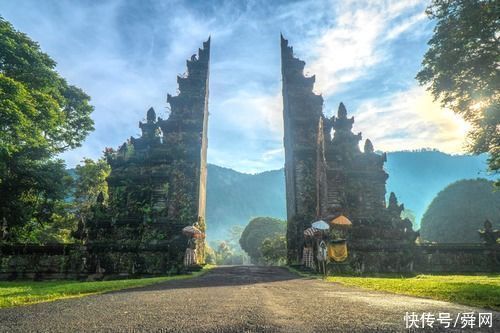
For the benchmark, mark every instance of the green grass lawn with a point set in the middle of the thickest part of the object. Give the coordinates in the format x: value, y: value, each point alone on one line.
x: 14, y: 293
x: 481, y: 290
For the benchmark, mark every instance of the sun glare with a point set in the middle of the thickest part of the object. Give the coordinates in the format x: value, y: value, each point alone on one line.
x: 478, y: 106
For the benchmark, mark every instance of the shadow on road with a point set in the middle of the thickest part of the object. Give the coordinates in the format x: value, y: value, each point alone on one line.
x: 225, y: 276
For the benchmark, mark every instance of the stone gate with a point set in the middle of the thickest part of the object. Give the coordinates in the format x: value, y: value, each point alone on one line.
x: 327, y: 175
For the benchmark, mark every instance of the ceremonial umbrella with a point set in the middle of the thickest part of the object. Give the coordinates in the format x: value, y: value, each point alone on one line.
x: 341, y: 222
x: 321, y: 225
x: 310, y: 232
x: 191, y: 230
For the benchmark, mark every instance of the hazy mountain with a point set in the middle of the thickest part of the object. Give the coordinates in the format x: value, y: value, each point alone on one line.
x: 415, y: 177
x: 234, y: 198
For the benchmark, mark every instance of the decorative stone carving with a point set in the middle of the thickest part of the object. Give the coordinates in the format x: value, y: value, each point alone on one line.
x: 157, y: 183
x: 488, y: 235
x: 325, y: 174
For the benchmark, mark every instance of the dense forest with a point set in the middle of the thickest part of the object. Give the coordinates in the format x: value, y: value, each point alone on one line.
x: 41, y: 116
x: 459, y: 211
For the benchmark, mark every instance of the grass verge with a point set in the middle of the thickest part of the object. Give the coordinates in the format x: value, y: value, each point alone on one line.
x: 475, y: 290
x: 15, y: 293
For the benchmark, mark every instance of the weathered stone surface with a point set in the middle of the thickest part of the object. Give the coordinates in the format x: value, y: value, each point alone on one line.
x: 302, y: 110
x: 414, y: 259
x: 42, y: 262
x: 329, y: 175
x: 157, y: 185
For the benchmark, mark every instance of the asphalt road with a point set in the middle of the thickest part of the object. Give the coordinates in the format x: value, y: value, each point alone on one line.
x: 234, y: 299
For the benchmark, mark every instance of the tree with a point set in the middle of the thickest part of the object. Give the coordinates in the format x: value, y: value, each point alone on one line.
x: 234, y: 237
x: 273, y: 250
x: 461, y: 68
x: 90, y: 182
x: 37, y: 103
x: 210, y: 255
x: 61, y: 223
x: 226, y: 254
x: 460, y: 210
x: 40, y: 116
x: 257, y: 230
x: 32, y: 193
x: 223, y: 253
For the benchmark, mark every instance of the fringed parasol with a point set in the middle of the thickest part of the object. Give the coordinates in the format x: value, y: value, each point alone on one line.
x: 320, y: 225
x: 310, y: 232
x: 341, y: 222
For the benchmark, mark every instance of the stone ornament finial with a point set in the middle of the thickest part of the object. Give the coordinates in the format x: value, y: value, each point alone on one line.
x: 342, y: 111
x: 368, y: 146
x: 487, y: 225
x: 151, y: 115
x: 393, y: 201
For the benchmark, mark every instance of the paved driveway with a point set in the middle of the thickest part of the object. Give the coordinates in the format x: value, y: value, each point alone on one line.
x: 234, y: 299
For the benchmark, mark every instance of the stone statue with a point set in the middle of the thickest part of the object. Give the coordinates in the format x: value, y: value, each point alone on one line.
x: 489, y: 235
x: 150, y: 129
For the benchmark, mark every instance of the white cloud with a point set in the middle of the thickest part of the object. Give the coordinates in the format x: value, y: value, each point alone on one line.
x: 244, y: 161
x: 124, y: 72
x: 357, y: 41
x: 273, y: 153
x: 253, y: 111
x: 246, y: 131
x: 405, y: 25
x: 126, y: 55
x: 410, y: 120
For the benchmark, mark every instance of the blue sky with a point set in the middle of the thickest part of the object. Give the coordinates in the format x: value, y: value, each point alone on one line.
x: 126, y: 55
